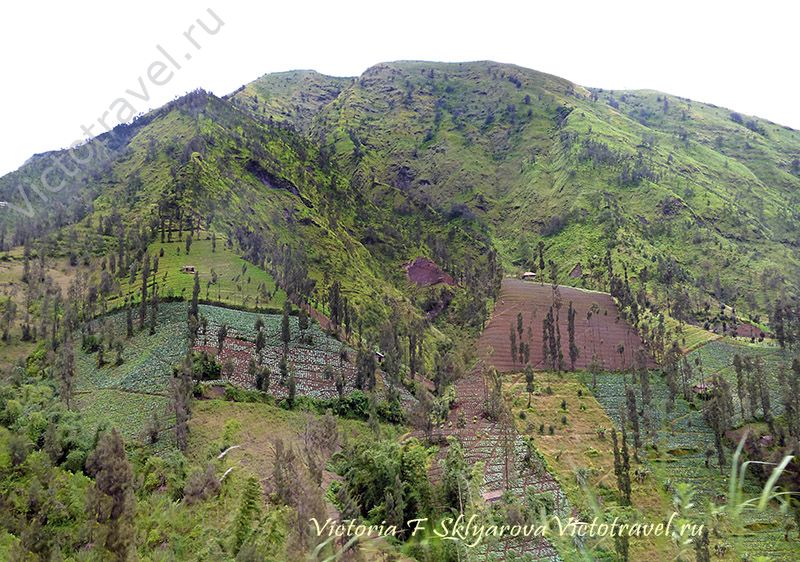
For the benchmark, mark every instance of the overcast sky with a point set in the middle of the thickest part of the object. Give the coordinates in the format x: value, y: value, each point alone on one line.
x: 65, y: 63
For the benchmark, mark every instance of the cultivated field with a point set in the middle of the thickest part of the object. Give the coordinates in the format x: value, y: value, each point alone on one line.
x: 682, y: 438
x: 600, y: 333
x: 125, y: 395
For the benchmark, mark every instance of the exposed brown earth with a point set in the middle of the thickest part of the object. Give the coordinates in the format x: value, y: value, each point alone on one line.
x: 424, y: 272
x: 598, y: 334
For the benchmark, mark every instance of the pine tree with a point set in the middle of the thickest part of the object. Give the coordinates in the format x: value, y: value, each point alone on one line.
x: 129, y: 318
x: 621, y: 465
x: 302, y: 319
x: 194, y: 307
x: 573, y: 348
x: 763, y: 390
x: 633, y: 416
x: 180, y: 397
x: 222, y: 335
x: 292, y: 390
x: 286, y: 332
x: 153, y: 310
x: 66, y: 370
x: 513, y: 338
x: 741, y: 390
x: 529, y: 388
x: 261, y: 342
x: 111, y: 497
x: 145, y: 280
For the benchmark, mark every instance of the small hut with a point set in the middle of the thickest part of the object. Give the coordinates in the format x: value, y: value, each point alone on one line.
x: 189, y: 269
x: 529, y: 276
x: 704, y: 390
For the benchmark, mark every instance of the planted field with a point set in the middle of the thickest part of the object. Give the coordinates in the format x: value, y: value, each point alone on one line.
x: 580, y: 451
x: 600, y: 333
x: 307, y: 358
x: 682, y: 438
x: 125, y: 395
x: 717, y: 357
x: 509, y: 465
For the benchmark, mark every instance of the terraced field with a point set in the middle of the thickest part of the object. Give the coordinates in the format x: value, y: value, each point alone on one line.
x: 307, y: 359
x: 125, y: 395
x: 717, y: 357
x: 682, y: 438
x: 518, y: 473
x: 600, y: 333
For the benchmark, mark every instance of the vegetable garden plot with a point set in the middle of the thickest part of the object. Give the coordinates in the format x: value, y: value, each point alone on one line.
x: 147, y: 359
x: 682, y: 438
x: 520, y: 472
x: 307, y: 358
x: 717, y: 357
x: 598, y: 328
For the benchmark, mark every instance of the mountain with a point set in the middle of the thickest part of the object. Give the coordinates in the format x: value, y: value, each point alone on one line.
x: 350, y: 171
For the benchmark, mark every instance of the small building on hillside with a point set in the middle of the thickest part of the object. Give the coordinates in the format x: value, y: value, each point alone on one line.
x: 577, y: 271
x: 189, y: 269
x: 529, y: 276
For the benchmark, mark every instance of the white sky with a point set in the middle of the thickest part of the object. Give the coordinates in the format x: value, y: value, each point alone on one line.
x: 64, y: 63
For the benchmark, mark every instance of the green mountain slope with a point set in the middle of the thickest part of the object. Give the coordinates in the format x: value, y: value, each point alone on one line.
x: 526, y: 157
x: 349, y: 172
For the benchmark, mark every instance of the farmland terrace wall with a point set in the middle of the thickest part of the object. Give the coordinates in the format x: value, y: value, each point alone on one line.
x: 600, y: 335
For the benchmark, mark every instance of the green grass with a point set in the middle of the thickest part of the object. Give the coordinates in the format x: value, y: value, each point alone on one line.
x: 578, y: 446
x: 238, y: 282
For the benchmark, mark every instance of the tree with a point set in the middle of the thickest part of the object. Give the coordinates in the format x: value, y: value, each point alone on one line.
x: 529, y: 388
x: 193, y: 308
x: 790, y: 386
x: 540, y: 247
x: 66, y: 370
x: 222, y: 335
x: 180, y: 398
x: 455, y: 477
x: 111, y: 497
x: 741, y: 390
x: 671, y: 366
x: 292, y: 389
x: 145, y: 280
x: 622, y: 465
x: 302, y: 319
x: 513, y: 338
x: 717, y: 413
x: 422, y: 412
x: 763, y: 390
x: 248, y: 512
x: 153, y: 310
x: 633, y: 416
x: 573, y: 348
x: 594, y: 369
x: 129, y: 318
x: 340, y: 384
x: 286, y: 332
x: 644, y: 378
x: 188, y: 243
x: 261, y: 342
